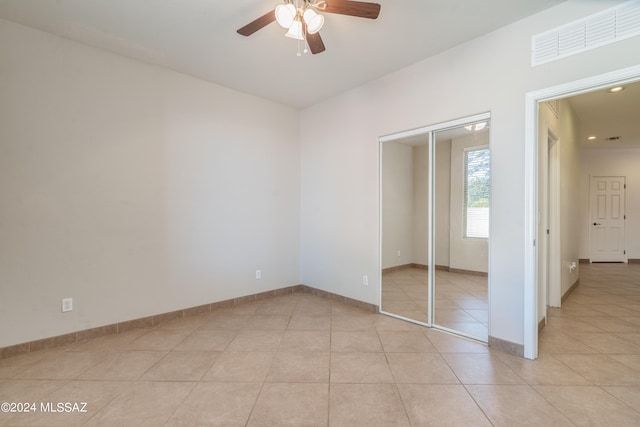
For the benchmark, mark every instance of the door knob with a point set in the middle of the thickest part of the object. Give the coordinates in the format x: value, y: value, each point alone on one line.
x: 596, y: 223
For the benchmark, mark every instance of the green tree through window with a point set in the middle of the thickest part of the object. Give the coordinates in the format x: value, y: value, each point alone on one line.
x: 477, y: 185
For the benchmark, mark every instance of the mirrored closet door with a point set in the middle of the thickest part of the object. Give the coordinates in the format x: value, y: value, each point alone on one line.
x: 434, y: 215
x: 405, y: 223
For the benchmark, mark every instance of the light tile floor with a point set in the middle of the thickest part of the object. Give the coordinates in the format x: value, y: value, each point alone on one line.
x: 301, y: 360
x: 460, y: 299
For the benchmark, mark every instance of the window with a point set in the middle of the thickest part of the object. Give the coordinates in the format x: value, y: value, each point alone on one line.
x: 476, y: 192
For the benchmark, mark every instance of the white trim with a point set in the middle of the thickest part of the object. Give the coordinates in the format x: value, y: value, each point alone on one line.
x: 531, y: 226
x: 431, y: 256
x: 406, y: 319
x: 435, y: 127
x: 554, y: 221
x: 379, y: 272
x: 625, y: 75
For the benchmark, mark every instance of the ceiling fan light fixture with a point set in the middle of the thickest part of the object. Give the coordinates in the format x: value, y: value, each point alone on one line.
x: 303, y: 19
x: 314, y: 21
x: 295, y: 31
x: 476, y: 127
x: 285, y: 15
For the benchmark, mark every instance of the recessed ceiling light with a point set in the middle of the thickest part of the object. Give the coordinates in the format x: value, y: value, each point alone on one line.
x: 591, y: 138
x: 616, y: 89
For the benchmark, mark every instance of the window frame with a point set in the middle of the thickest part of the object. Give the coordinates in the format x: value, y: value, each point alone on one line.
x: 465, y: 193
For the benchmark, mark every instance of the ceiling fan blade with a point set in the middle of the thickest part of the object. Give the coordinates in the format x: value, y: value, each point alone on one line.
x: 353, y: 8
x: 259, y: 23
x: 315, y: 43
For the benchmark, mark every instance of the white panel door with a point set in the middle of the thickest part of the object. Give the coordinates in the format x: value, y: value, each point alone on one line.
x: 607, y: 219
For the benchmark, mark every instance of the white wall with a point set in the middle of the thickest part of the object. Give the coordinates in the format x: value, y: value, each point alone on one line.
x: 340, y: 153
x: 133, y: 189
x: 420, y: 249
x: 397, y: 204
x: 405, y: 180
x: 569, y: 195
x: 613, y: 162
x: 442, y: 202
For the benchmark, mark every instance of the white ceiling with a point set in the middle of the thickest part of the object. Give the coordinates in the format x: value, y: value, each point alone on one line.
x: 198, y: 37
x: 604, y: 114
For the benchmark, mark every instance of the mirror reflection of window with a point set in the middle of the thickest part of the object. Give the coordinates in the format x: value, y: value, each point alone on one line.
x: 477, y: 187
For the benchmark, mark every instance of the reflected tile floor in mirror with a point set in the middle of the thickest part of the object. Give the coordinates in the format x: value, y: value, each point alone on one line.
x: 460, y: 303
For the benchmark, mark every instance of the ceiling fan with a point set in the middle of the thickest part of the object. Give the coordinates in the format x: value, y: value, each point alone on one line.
x: 303, y: 21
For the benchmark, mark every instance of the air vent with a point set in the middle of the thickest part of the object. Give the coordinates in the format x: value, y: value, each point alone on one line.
x: 612, y: 25
x: 612, y: 138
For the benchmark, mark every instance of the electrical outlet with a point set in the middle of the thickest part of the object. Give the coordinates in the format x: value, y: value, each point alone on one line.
x: 258, y: 274
x: 398, y: 252
x: 67, y: 305
x: 365, y: 280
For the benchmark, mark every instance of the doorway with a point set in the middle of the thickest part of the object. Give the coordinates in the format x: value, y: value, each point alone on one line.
x: 534, y: 282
